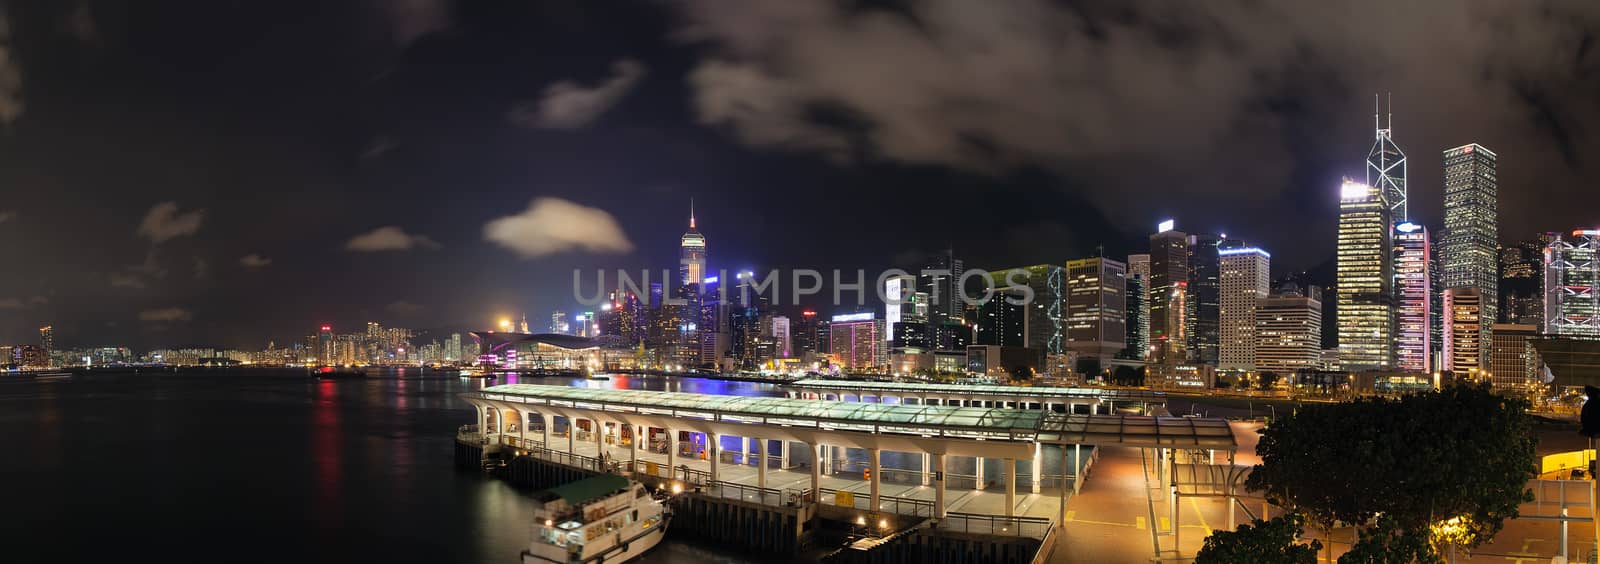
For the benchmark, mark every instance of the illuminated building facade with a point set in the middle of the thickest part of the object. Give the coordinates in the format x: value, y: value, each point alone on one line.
x: 1137, y: 307
x: 940, y: 280
x: 1096, y: 298
x: 1169, y: 281
x: 1364, y: 279
x: 1471, y: 233
x: 691, y: 253
x: 1511, y: 366
x: 1203, y: 300
x: 47, y: 342
x: 1414, y: 298
x: 1245, y: 281
x: 1464, y: 337
x: 856, y: 341
x: 326, y: 350
x: 1572, y: 285
x: 1003, y: 320
x: 1289, y: 331
x: 1521, y: 282
x: 1047, y: 316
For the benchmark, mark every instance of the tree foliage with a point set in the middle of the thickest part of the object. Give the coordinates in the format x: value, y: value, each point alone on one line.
x: 1386, y: 543
x: 1420, y: 460
x: 1261, y: 541
x: 1127, y: 376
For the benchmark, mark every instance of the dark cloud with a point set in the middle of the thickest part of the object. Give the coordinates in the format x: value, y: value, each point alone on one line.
x: 569, y: 105
x: 11, y: 104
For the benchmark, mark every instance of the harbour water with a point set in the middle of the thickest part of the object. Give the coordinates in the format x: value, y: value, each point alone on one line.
x: 260, y: 465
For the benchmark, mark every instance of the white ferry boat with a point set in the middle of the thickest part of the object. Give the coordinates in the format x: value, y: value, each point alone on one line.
x: 607, y: 518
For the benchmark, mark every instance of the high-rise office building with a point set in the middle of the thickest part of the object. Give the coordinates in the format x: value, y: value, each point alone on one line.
x: 1465, y: 341
x: 1364, y: 279
x: 1509, y: 369
x: 805, y: 333
x: 857, y: 341
x: 691, y: 253
x: 783, y: 347
x: 1289, y: 330
x: 1097, y: 324
x: 47, y: 342
x: 1471, y: 234
x: 1521, y: 283
x: 558, y: 322
x: 1048, y: 314
x: 1169, y: 285
x: 1202, y: 318
x: 1572, y: 285
x: 1386, y: 165
x: 1137, y: 307
x: 326, y: 351
x: 1002, y: 321
x: 941, y: 282
x: 898, y: 292
x: 1245, y: 282
x: 1413, y: 252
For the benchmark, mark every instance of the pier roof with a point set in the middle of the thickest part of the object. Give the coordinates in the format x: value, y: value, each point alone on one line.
x: 973, y: 423
x: 1040, y: 392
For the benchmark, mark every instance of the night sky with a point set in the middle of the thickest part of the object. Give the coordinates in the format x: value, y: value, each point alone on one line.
x: 223, y: 173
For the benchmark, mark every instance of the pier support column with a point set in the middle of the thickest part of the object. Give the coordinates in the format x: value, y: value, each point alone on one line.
x: 672, y: 452
x: 598, y: 429
x: 977, y: 471
x: 633, y: 441
x: 714, y: 452
x: 1077, y: 468
x: 1061, y: 519
x: 761, y: 463
x: 547, y: 424
x: 1038, y: 466
x: 572, y: 435
x: 938, y: 486
x: 872, y: 462
x: 925, y: 461
x: 1011, y: 486
x: 783, y: 454
x: 816, y: 471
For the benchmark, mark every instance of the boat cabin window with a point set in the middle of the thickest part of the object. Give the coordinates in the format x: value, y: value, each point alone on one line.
x: 634, y: 517
x: 639, y: 492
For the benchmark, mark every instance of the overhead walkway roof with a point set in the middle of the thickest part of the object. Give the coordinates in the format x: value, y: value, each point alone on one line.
x: 972, y: 423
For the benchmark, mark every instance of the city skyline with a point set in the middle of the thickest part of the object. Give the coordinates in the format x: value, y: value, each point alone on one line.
x: 368, y: 196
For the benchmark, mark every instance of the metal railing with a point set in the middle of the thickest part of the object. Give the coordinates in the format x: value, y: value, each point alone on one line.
x: 886, y: 503
x: 1015, y: 526
x: 570, y: 459
x: 764, y: 496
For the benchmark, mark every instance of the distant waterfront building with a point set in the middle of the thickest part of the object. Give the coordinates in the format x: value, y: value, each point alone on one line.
x: 1202, y: 316
x: 856, y: 341
x: 692, y: 253
x: 1414, y: 292
x: 805, y: 333
x: 1245, y: 282
x: 558, y: 323
x: 782, y: 344
x: 326, y: 351
x: 1364, y: 279
x: 1097, y: 324
x: 1137, y: 307
x: 1464, y: 338
x: 1002, y: 322
x: 1572, y: 285
x: 47, y: 342
x: 1471, y: 232
x: 1289, y: 331
x: 1510, y: 357
x: 1169, y: 284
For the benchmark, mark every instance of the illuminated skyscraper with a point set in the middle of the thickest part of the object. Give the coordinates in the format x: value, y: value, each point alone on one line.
x: 47, y: 341
x: 1465, y: 339
x: 325, y: 346
x: 1572, y: 285
x: 1521, y: 282
x: 1471, y: 232
x: 1203, y: 301
x: 1364, y: 279
x: 1048, y: 313
x: 1386, y: 165
x: 692, y: 253
x: 1414, y: 292
x: 1169, y: 281
x: 856, y: 341
x: 1137, y: 307
x: 1245, y: 281
x: 944, y: 306
x: 1096, y: 325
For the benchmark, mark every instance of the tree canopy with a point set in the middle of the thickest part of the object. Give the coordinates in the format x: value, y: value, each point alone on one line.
x: 1423, y: 460
x: 1261, y: 541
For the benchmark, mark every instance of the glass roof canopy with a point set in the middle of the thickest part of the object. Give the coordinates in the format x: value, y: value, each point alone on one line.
x: 966, y: 390
x: 917, y: 420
